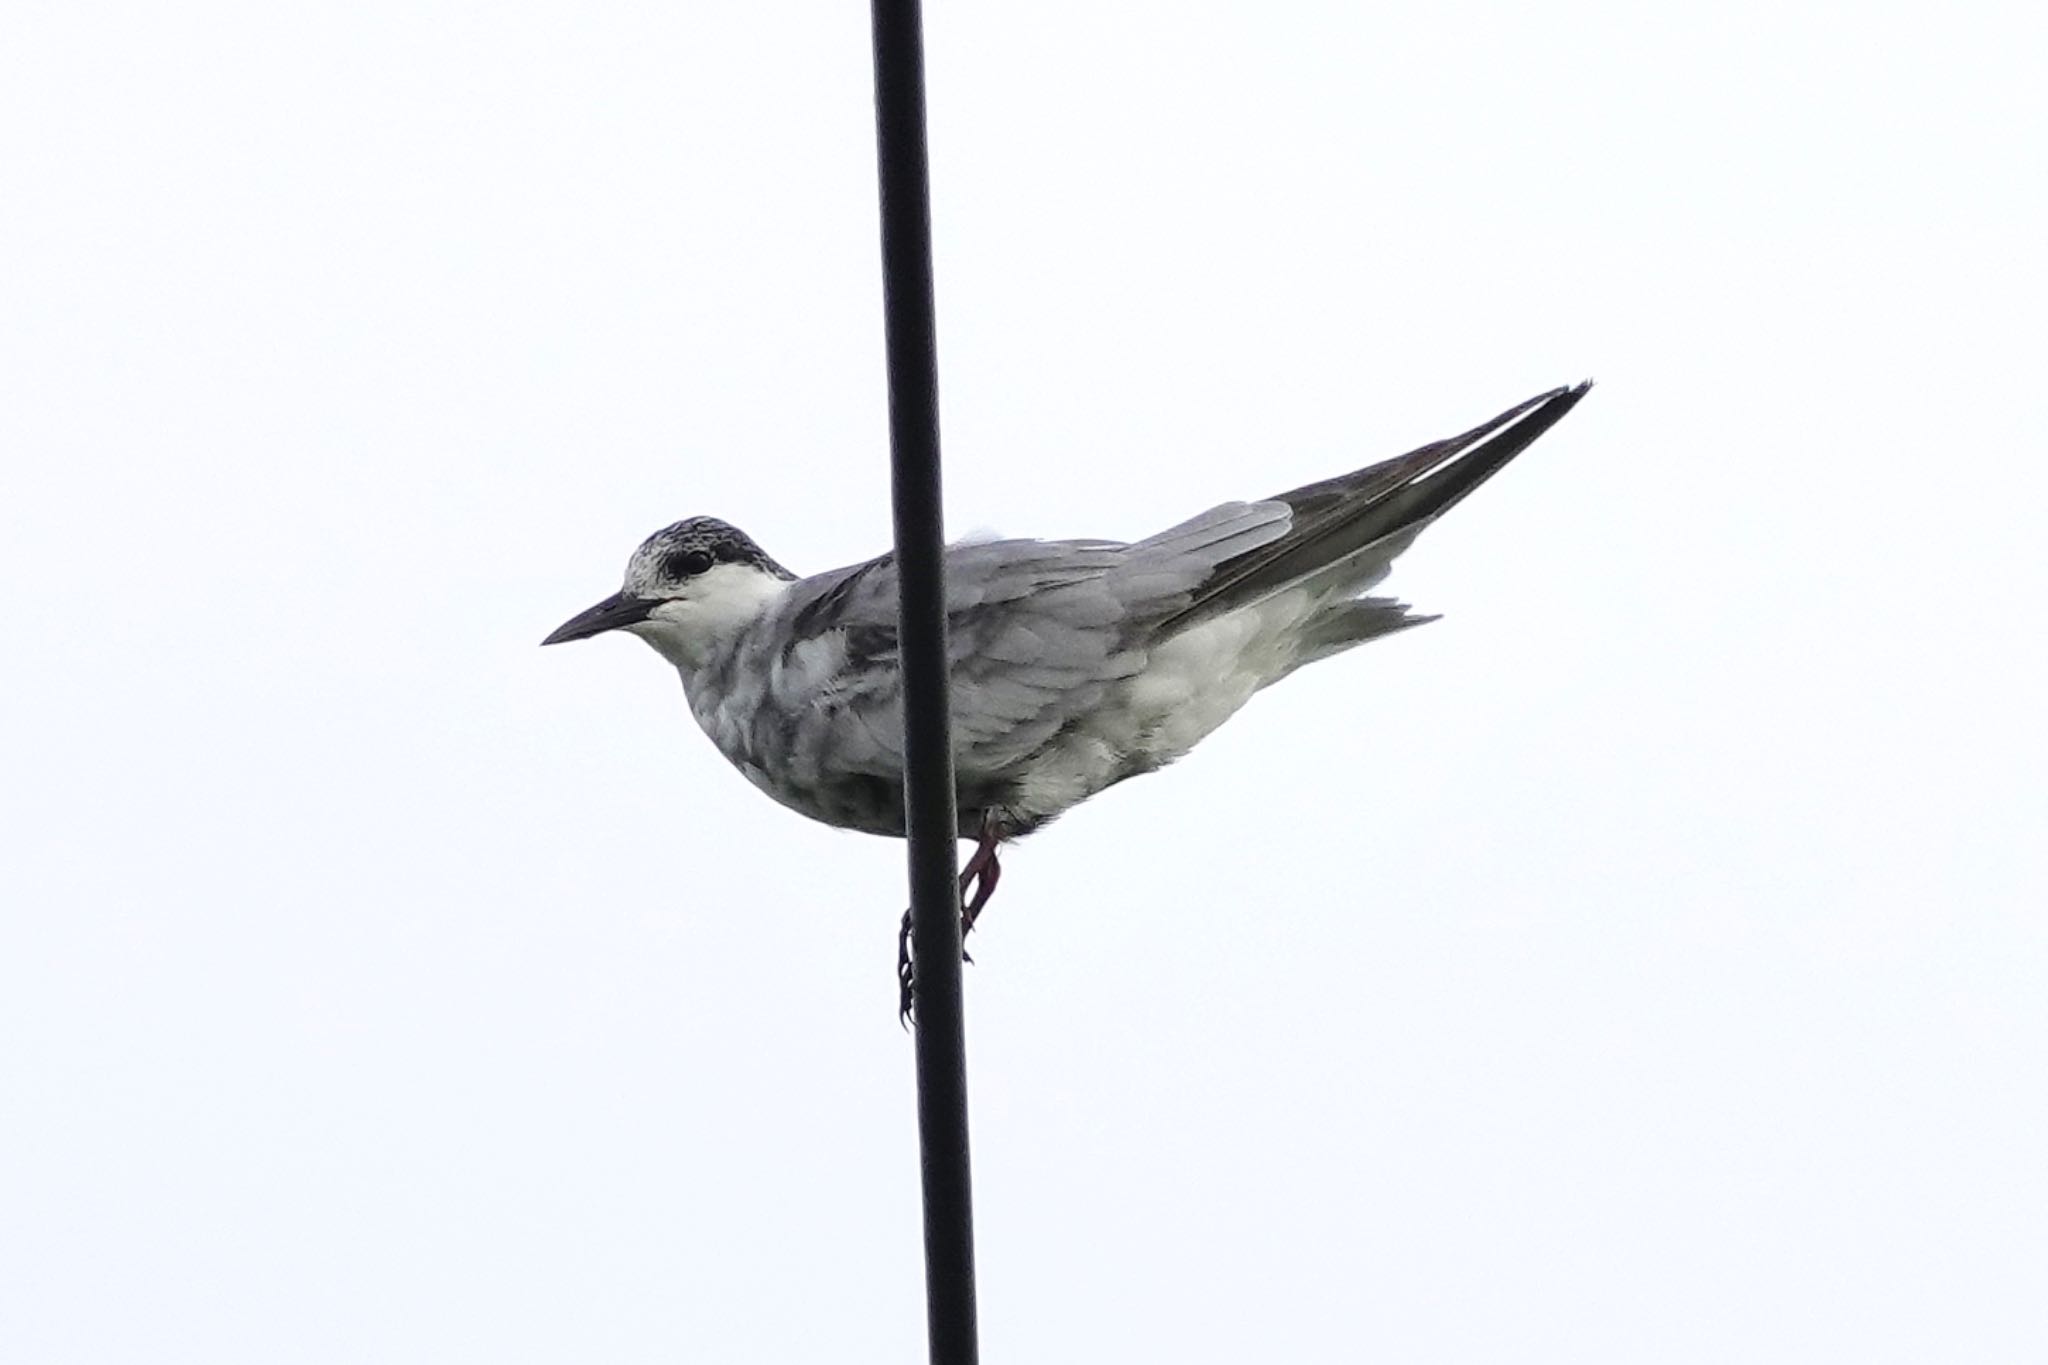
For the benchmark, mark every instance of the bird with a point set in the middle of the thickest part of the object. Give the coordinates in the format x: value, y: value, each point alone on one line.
x: 1074, y: 664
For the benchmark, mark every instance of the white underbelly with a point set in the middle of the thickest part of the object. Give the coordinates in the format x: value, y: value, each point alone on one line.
x: 1190, y: 685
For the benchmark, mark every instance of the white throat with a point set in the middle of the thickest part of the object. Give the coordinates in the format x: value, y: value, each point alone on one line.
x: 716, y: 605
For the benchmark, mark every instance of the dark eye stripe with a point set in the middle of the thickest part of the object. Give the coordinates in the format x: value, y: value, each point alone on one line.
x: 686, y: 563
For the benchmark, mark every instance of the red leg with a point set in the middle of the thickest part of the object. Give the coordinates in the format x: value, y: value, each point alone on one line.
x: 981, y: 872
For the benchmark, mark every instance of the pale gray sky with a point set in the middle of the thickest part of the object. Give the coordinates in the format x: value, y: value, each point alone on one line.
x: 1646, y: 963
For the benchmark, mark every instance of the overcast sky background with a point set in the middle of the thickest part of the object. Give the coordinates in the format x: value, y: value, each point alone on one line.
x: 1646, y: 963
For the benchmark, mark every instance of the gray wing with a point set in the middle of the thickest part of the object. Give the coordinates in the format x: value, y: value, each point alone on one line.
x: 1351, y: 527
x: 1038, y: 631
x: 1041, y: 629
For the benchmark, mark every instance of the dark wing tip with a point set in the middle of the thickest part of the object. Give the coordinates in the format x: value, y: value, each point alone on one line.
x: 1382, y: 504
x: 1555, y: 403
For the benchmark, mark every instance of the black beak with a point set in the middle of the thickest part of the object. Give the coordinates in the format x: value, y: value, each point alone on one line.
x: 615, y: 611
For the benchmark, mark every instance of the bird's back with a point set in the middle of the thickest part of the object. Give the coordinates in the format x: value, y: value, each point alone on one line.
x: 1076, y: 664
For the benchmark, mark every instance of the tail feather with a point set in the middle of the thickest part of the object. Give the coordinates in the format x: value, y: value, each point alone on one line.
x: 1342, y: 625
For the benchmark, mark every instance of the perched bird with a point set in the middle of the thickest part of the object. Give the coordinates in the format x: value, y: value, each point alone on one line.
x: 1075, y: 663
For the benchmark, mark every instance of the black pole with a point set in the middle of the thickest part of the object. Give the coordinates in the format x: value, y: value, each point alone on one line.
x: 930, y: 821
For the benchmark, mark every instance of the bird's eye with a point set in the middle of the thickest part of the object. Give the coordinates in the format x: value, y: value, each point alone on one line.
x: 687, y: 563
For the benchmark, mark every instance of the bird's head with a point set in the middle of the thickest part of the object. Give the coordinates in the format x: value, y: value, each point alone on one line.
x: 687, y: 587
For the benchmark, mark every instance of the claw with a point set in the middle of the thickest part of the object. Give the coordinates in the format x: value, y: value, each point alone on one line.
x: 905, y: 978
x: 982, y: 872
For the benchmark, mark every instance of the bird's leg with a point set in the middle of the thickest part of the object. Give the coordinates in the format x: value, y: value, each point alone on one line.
x: 982, y: 871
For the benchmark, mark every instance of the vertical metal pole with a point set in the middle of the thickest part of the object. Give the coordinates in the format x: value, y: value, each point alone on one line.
x: 931, y: 823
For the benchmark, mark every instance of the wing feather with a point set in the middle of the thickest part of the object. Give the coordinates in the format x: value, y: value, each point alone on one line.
x: 1041, y: 629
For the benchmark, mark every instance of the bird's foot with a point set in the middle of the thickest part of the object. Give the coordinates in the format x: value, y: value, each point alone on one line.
x: 981, y: 873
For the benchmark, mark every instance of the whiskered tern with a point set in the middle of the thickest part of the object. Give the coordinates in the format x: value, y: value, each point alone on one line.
x: 1075, y: 663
